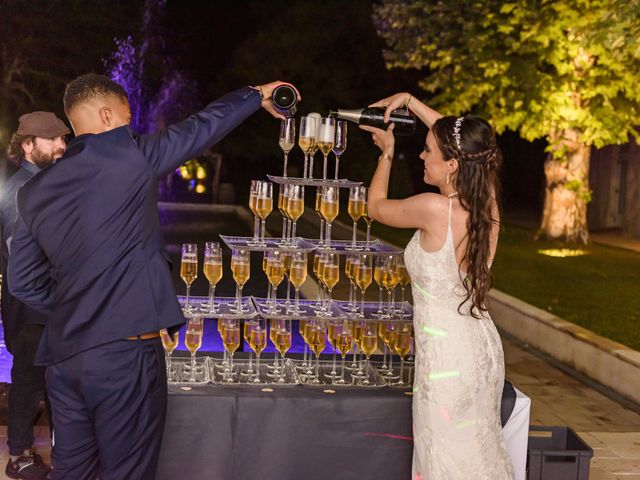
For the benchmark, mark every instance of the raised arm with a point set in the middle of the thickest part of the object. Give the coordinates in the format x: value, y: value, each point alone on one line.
x: 426, y: 114
x: 29, y: 269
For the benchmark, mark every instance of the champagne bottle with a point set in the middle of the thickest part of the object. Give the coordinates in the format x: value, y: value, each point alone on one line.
x: 405, y: 123
x: 284, y: 100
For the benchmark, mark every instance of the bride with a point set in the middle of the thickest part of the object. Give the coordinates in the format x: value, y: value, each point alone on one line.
x: 459, y: 360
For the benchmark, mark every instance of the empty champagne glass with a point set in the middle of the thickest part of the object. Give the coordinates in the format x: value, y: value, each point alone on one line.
x: 169, y: 342
x: 283, y: 210
x: 193, y: 341
x: 240, y: 267
x: 340, y: 143
x: 253, y: 203
x: 231, y: 341
x: 213, y: 271
x: 325, y: 140
x: 307, y: 140
x: 368, y: 345
x: 264, y: 205
x: 295, y: 206
x: 258, y: 342
x: 297, y: 276
x: 364, y: 273
x: 356, y: 209
x: 314, y: 147
x: 402, y: 346
x: 368, y: 220
x: 331, y: 276
x: 344, y: 341
x: 287, y: 139
x: 329, y: 208
x: 189, y: 269
x: 318, y: 211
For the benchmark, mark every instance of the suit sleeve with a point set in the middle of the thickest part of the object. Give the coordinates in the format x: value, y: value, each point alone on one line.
x: 171, y: 147
x: 29, y: 269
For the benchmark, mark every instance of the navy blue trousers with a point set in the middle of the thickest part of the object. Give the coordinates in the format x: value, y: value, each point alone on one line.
x: 109, y: 405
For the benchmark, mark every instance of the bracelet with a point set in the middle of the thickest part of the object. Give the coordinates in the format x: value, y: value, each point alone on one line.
x: 386, y: 156
x: 406, y: 104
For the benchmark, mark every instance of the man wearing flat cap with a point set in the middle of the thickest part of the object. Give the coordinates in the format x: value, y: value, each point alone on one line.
x: 38, y: 142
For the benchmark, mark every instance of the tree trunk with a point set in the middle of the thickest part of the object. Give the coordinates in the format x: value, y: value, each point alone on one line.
x: 567, y: 192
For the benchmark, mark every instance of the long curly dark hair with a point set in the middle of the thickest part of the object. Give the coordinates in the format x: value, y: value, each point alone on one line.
x: 477, y: 182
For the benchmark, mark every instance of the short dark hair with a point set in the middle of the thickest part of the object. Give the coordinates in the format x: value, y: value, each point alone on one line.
x: 88, y: 86
x: 15, y: 152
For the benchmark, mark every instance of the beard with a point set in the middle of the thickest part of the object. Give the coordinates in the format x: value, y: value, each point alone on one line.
x: 44, y: 159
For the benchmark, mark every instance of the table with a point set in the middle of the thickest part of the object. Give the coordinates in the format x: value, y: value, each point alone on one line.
x: 223, y: 432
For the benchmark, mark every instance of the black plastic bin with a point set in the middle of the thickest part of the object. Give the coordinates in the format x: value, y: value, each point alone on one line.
x: 557, y: 453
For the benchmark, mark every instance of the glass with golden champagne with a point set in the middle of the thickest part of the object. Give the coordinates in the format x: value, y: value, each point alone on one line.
x: 344, y: 341
x: 364, y: 274
x: 356, y: 209
x: 189, y: 269
x: 350, y: 266
x: 212, y: 271
x: 287, y: 139
x: 295, y: 206
x: 241, y: 269
x: 280, y: 336
x: 402, y: 345
x: 275, y: 275
x: 283, y: 211
x: 319, y: 260
x: 258, y: 342
x: 329, y: 205
x: 368, y: 345
x: 169, y: 342
x: 377, y: 276
x: 230, y: 333
x: 333, y: 328
x: 403, y: 279
x: 365, y: 216
x: 253, y: 203
x: 330, y: 277
x: 317, y: 209
x: 390, y: 279
x: 248, y: 325
x: 325, y: 140
x: 316, y: 337
x: 297, y: 276
x: 193, y: 341
x: 389, y: 338
x: 264, y: 205
x: 307, y: 140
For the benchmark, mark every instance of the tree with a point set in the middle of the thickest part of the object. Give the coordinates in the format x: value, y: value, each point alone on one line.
x: 565, y: 70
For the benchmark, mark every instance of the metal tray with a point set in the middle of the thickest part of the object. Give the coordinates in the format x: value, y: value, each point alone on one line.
x: 314, y: 182
x: 345, y: 247
x: 371, y: 308
x: 371, y: 373
x: 266, y: 377
x: 181, y: 371
x: 270, y: 244
x: 225, y: 306
x: 308, y: 312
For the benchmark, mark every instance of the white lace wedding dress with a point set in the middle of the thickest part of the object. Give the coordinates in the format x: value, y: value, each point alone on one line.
x: 459, y: 375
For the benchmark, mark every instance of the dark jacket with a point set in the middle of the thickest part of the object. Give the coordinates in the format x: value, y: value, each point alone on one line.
x: 87, y: 248
x: 14, y: 312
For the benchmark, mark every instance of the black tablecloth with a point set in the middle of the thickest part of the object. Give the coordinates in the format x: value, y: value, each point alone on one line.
x: 222, y: 432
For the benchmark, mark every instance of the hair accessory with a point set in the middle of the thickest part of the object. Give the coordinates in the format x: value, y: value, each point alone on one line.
x: 456, y: 131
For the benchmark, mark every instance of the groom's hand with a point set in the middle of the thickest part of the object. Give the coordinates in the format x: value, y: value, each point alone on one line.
x: 266, y: 91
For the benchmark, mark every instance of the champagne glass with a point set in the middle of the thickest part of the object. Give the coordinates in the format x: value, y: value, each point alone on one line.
x: 402, y: 346
x: 317, y: 205
x: 307, y: 140
x: 356, y: 209
x: 282, y: 342
x: 314, y: 146
x: 213, y: 271
x: 240, y: 267
x: 368, y: 344
x: 382, y: 328
x: 257, y: 342
x: 248, y: 325
x: 325, y: 140
x: 351, y: 265
x: 357, y: 327
x: 189, y: 269
x: 389, y: 279
x: 403, y: 280
x: 333, y: 329
x: 231, y: 342
x: 368, y: 220
x: 273, y: 332
x: 193, y: 341
x: 344, y: 341
x: 331, y: 275
x: 363, y: 276
x: 295, y: 206
x: 253, y: 201
x: 275, y: 274
x: 297, y: 276
x: 377, y: 276
x: 329, y: 208
x: 169, y: 342
x: 389, y: 341
x: 283, y: 211
x: 318, y: 269
x: 317, y: 337
x: 264, y: 205
x: 340, y: 143
x: 287, y: 139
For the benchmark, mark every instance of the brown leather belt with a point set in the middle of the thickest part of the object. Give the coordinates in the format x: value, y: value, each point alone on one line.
x: 144, y: 336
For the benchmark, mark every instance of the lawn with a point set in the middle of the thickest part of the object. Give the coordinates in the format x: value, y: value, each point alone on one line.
x: 599, y: 291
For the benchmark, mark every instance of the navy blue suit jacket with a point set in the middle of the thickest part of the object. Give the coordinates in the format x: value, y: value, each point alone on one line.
x: 86, y: 247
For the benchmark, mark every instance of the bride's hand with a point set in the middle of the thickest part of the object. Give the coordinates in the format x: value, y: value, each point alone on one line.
x: 392, y: 103
x: 383, y: 139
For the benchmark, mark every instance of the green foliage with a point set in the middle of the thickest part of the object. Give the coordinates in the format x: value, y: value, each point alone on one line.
x: 534, y: 66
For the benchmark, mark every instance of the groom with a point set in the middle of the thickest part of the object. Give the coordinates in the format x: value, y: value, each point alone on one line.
x: 87, y: 251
